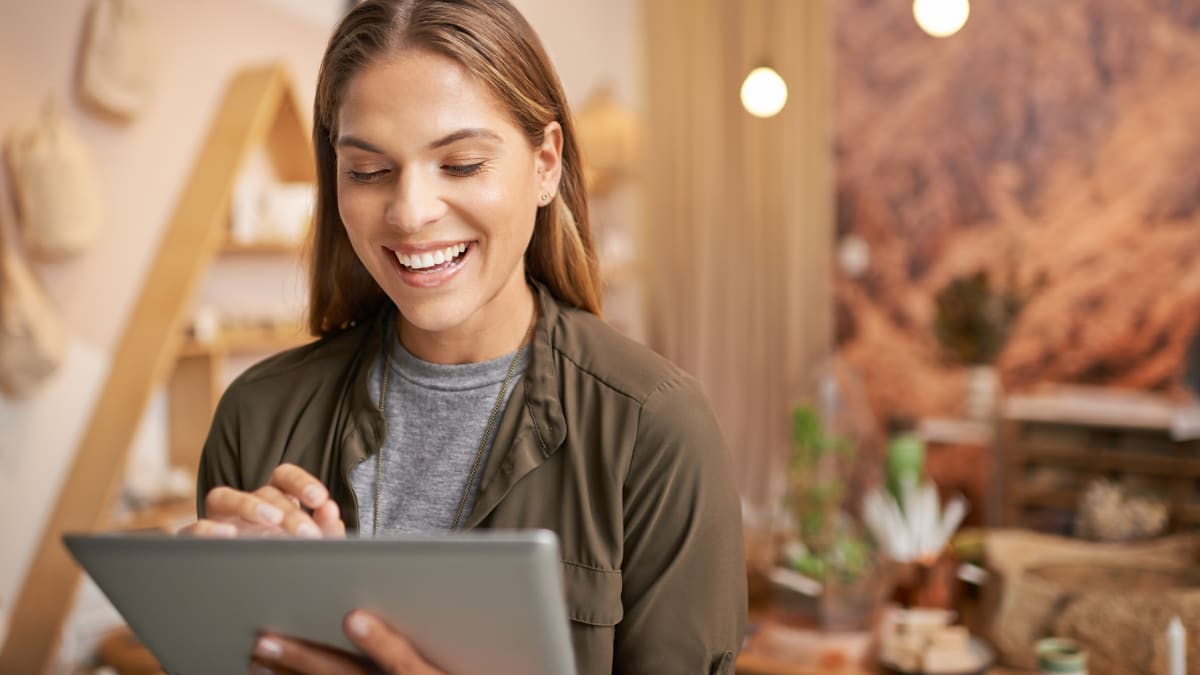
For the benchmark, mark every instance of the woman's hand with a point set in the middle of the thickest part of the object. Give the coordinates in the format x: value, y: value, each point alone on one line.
x: 389, y: 650
x: 277, y: 508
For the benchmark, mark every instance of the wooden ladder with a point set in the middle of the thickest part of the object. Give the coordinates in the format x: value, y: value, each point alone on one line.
x: 259, y: 108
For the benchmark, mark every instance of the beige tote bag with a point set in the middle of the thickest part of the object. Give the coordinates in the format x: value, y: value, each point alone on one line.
x: 56, y: 185
x: 33, y: 341
x: 116, y: 63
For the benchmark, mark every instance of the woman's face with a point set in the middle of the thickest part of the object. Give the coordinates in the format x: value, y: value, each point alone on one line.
x: 438, y: 189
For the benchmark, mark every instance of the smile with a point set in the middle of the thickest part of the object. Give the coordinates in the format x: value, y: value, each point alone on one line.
x: 431, y: 261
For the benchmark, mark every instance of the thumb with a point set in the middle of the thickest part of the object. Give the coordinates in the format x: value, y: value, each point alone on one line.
x: 387, y: 648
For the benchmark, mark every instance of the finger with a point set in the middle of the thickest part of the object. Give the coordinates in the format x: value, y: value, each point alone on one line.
x: 298, y: 483
x: 295, y: 520
x: 223, y: 503
x: 329, y: 519
x: 390, y: 650
x: 281, y: 655
x: 208, y: 528
x: 272, y: 494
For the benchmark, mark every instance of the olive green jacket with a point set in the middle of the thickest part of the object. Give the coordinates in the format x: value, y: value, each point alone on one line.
x: 604, y: 442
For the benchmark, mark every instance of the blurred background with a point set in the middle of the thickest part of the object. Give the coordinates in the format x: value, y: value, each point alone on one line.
x: 901, y: 244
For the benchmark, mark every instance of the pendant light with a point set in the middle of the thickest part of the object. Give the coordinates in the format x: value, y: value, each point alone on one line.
x: 764, y: 92
x: 941, y: 18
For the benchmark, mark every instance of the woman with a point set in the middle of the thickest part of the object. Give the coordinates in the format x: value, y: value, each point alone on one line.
x: 462, y: 377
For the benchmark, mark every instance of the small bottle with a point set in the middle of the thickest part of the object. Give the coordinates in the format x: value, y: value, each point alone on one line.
x: 905, y: 457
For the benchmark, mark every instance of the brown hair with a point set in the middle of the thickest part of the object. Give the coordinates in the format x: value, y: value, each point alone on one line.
x: 491, y: 40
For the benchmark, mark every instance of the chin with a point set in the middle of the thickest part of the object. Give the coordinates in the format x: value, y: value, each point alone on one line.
x: 436, y: 315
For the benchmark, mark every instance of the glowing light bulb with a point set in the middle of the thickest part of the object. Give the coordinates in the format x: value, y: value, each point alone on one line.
x: 941, y: 18
x: 764, y: 93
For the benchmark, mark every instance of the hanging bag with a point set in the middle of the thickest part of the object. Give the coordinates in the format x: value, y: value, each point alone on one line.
x: 115, y: 65
x: 57, y: 189
x: 32, y: 339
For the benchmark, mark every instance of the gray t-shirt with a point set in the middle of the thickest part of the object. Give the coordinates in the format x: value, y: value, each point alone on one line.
x: 436, y: 415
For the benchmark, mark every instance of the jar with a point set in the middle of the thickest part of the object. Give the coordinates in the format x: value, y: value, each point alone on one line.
x: 1056, y: 656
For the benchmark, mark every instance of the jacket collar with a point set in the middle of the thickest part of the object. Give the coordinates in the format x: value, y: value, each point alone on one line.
x: 531, y: 432
x: 541, y: 376
x: 532, y: 428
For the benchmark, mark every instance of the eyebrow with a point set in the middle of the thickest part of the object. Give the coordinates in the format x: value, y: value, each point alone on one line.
x: 462, y: 134
x: 454, y: 137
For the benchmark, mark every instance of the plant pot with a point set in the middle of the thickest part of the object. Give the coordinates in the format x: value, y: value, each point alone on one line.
x: 838, y: 607
x: 929, y: 584
x: 982, y: 394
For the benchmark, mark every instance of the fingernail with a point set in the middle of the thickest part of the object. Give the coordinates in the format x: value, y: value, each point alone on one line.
x: 260, y: 669
x: 268, y: 649
x: 313, y: 494
x: 270, y: 514
x: 224, y: 530
x: 308, y: 530
x: 359, y: 625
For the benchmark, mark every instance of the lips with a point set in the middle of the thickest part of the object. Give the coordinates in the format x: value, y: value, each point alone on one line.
x: 431, y: 267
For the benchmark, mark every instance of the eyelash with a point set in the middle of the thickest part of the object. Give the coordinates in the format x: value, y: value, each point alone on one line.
x: 463, y: 170
x: 457, y: 170
x: 365, y: 177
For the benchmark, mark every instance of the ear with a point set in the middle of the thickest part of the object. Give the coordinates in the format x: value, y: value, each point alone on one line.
x: 547, y: 159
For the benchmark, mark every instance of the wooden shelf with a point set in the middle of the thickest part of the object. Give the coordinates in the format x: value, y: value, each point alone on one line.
x: 242, y: 341
x: 1066, y: 500
x: 231, y: 247
x: 164, y: 516
x: 1102, y: 460
x: 1084, y: 448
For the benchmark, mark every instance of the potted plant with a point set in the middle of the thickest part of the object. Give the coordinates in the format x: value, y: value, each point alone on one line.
x: 826, y: 574
x: 972, y: 324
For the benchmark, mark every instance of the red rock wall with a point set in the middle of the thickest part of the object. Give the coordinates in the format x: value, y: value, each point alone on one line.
x: 1053, y: 144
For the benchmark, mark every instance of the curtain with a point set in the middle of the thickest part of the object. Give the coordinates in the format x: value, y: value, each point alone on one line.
x: 739, y: 226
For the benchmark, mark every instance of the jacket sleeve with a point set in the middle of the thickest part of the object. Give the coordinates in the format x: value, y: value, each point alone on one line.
x: 219, y: 460
x: 683, y: 568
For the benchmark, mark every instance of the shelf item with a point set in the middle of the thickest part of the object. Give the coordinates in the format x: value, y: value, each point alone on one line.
x: 248, y: 341
x: 259, y: 109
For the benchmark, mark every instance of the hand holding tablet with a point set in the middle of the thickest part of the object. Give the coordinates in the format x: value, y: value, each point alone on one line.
x: 471, y: 602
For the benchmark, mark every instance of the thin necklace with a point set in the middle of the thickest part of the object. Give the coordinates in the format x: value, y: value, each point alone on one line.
x: 487, y: 432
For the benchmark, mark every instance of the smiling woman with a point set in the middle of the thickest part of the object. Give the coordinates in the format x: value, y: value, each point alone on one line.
x: 412, y: 187
x: 463, y: 378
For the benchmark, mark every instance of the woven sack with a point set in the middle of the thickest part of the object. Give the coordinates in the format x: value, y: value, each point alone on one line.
x: 32, y: 339
x: 116, y: 63
x: 56, y: 185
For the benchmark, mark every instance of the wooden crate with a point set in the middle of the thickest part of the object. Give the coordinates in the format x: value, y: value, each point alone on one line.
x: 1055, y: 444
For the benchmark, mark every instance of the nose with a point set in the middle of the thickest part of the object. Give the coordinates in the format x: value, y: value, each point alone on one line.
x: 415, y: 203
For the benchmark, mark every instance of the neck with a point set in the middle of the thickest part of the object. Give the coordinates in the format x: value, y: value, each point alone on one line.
x: 498, y: 328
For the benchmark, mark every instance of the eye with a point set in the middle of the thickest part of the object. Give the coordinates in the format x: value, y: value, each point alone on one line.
x: 366, y: 176
x: 463, y: 170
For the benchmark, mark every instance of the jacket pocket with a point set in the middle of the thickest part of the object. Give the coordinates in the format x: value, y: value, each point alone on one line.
x: 593, y: 595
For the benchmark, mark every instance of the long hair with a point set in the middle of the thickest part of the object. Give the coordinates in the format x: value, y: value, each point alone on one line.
x: 491, y: 40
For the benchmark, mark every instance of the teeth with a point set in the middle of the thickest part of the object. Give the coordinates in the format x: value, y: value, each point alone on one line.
x: 422, y: 261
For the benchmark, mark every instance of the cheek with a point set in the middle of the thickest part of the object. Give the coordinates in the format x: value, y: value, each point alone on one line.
x: 508, y: 210
x: 355, y: 210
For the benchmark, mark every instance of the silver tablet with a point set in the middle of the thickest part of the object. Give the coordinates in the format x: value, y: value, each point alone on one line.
x: 475, y: 602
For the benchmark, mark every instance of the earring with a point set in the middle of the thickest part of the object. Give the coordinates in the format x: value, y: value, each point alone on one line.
x: 545, y: 199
